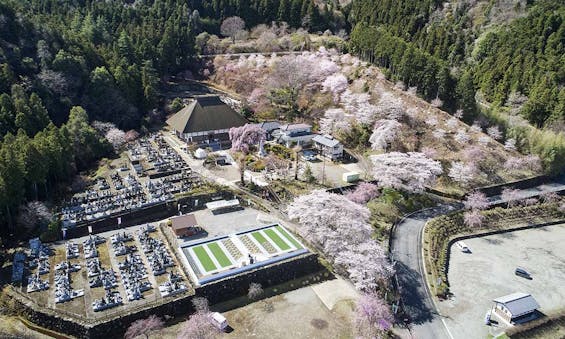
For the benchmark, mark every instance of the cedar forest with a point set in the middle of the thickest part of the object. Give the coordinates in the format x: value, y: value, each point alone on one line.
x: 65, y: 64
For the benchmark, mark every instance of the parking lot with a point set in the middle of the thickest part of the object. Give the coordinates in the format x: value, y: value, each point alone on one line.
x: 488, y: 272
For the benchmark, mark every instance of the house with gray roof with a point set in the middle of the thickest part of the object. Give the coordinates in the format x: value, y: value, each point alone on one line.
x: 516, y: 308
x: 294, y: 134
x: 206, y: 120
x: 328, y: 146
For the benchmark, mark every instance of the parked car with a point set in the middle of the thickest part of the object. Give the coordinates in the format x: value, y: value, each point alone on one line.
x: 308, y: 155
x: 522, y: 273
x: 463, y: 247
x: 487, y: 317
x: 218, y: 320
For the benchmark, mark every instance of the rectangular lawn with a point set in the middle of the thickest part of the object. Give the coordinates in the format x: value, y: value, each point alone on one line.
x: 204, y: 258
x: 289, y: 237
x: 219, y: 254
x: 276, y: 239
x: 259, y: 237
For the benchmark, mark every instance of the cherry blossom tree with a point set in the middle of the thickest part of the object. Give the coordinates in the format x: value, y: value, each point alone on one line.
x: 340, y: 228
x: 372, y: 316
x: 407, y: 171
x: 484, y: 140
x: 476, y: 127
x: 358, y: 105
x: 550, y: 197
x: 473, y: 154
x: 494, y: 132
x: 131, y: 135
x: 116, y: 137
x: 390, y: 106
x: 334, y: 120
x: 363, y: 193
x: 462, y: 173
x: 510, y: 196
x: 527, y: 163
x: 476, y: 201
x: 462, y: 137
x: 510, y: 144
x: 242, y: 138
x: 429, y: 152
x: 255, y: 291
x: 198, y: 326
x: 431, y: 121
x: 143, y: 327
x: 530, y: 201
x: 231, y: 26
x: 437, y: 103
x: 385, y: 132
x: 473, y: 218
x: 335, y: 84
x: 459, y: 114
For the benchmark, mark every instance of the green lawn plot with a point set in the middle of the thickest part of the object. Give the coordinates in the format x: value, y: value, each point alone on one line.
x: 264, y: 242
x: 289, y: 237
x: 204, y: 258
x: 276, y: 239
x: 219, y: 254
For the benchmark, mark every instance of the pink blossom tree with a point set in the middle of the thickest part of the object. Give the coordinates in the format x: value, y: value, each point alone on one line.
x: 510, y: 144
x: 462, y: 137
x: 385, y: 132
x: 131, y: 135
x: 510, y: 196
x: 411, y: 171
x: 494, y: 132
x: 437, y: 103
x: 476, y: 201
x: 372, y: 316
x: 452, y: 123
x: 476, y: 127
x: 198, y: 326
x: 341, y: 229
x: 143, y: 327
x: 116, y: 137
x: 473, y: 218
x: 242, y: 139
x: 463, y: 173
x: 335, y: 120
x: 439, y: 133
x: 459, y: 114
x: 335, y: 84
x: 363, y: 193
x: 232, y: 26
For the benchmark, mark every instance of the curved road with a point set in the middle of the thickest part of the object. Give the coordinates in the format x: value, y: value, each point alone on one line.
x: 406, y: 249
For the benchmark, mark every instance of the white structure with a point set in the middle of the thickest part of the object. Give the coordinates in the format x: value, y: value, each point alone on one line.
x: 328, y: 146
x: 298, y: 134
x: 516, y: 308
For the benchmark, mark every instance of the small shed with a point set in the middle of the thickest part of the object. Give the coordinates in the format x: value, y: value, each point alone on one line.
x: 516, y: 307
x: 184, y: 225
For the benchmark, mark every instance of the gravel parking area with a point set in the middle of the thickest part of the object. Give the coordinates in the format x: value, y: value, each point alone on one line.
x: 488, y: 272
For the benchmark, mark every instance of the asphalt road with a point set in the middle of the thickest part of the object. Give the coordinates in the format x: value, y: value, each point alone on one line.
x: 407, y: 252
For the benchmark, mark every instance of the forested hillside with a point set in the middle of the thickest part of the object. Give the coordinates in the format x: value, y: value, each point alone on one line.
x: 65, y: 64
x: 517, y: 61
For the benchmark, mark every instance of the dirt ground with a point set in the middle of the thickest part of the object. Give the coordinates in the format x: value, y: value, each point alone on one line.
x: 295, y: 314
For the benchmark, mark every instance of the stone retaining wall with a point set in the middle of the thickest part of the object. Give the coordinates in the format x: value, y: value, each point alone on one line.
x: 216, y: 292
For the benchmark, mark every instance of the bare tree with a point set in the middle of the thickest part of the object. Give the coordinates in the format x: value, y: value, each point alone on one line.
x: 255, y: 291
x: 231, y: 26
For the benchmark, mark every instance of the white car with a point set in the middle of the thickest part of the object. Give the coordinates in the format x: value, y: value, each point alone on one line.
x: 463, y: 247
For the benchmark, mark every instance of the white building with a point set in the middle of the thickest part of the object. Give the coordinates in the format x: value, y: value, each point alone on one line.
x: 516, y: 308
x: 295, y: 134
x: 328, y: 146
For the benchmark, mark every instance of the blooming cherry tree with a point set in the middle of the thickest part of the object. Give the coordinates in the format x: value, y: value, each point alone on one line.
x: 476, y: 201
x: 462, y: 173
x: 242, y: 138
x: 372, y: 316
x: 462, y: 137
x: 473, y: 218
x: 510, y: 144
x: 143, y: 327
x: 384, y: 132
x: 363, y: 193
x: 411, y: 171
x: 335, y: 84
x: 510, y: 196
x: 459, y: 114
x: 494, y: 132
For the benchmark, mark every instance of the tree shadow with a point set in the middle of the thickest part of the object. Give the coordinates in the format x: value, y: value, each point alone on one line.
x: 413, y: 295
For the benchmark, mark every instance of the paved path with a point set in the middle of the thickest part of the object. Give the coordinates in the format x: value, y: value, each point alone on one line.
x: 406, y: 248
x: 556, y: 185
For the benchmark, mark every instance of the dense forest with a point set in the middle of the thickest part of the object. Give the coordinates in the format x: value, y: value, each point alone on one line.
x: 65, y: 64
x: 519, y: 61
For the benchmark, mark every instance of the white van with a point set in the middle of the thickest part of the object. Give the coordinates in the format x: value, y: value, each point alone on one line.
x: 463, y: 247
x: 218, y: 320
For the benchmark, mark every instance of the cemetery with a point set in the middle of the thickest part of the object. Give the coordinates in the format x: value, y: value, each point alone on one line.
x: 150, y: 173
x: 114, y: 271
x: 224, y: 256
